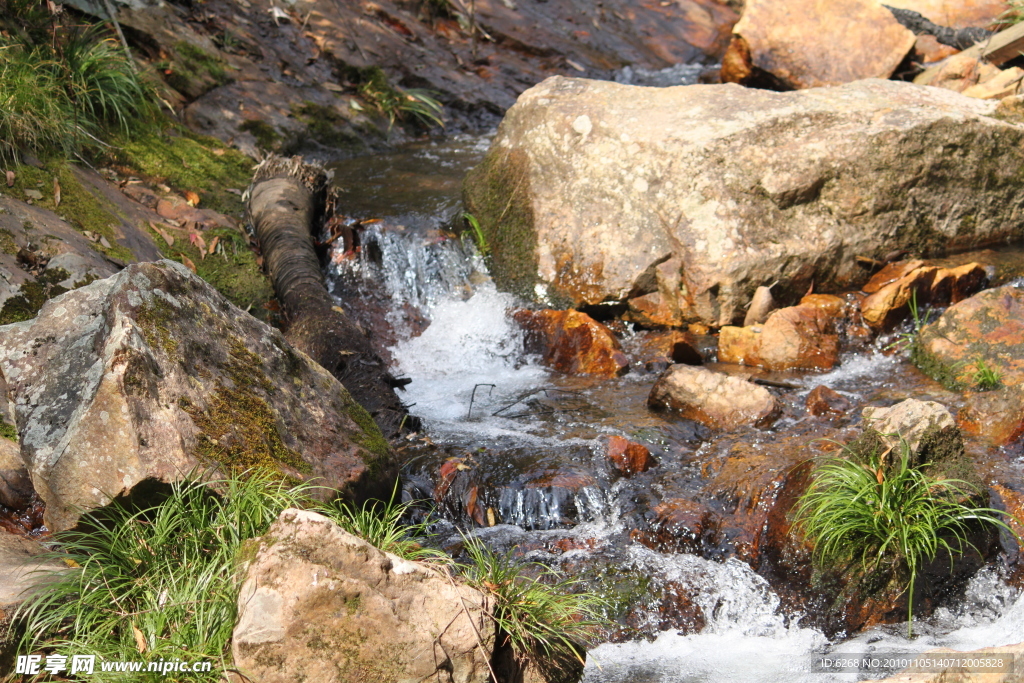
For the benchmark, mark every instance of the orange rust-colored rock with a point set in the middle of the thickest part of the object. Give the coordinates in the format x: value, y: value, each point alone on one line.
x: 928, y: 50
x: 653, y: 310
x: 825, y: 402
x: 958, y: 73
x: 794, y: 337
x: 572, y: 342
x: 809, y: 43
x: 890, y: 303
x: 988, y: 327
x: 669, y: 346
x: 713, y: 398
x: 834, y: 307
x: 629, y: 457
x: 997, y: 417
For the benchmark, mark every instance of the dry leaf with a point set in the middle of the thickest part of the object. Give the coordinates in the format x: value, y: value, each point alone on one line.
x: 192, y: 198
x: 71, y: 563
x: 218, y: 152
x: 574, y: 65
x: 56, y: 192
x: 333, y: 87
x: 198, y: 242
x: 213, y: 246
x: 34, y: 194
x: 10, y: 179
x: 104, y: 243
x: 187, y: 262
x: 163, y: 233
x: 140, y: 640
x: 492, y: 519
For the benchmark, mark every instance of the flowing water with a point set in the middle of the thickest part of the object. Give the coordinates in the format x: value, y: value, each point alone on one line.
x: 523, y: 447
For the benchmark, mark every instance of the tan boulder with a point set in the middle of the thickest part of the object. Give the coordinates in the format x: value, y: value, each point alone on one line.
x: 913, y: 281
x: 572, y: 342
x: 908, y: 420
x: 793, y: 337
x: 713, y: 398
x: 320, y: 601
x: 807, y: 43
x: 589, y: 185
x: 151, y: 374
x: 958, y: 73
x: 1004, y: 84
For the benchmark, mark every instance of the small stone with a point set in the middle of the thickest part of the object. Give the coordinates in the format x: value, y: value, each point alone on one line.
x: 761, y: 305
x: 713, y: 398
x: 629, y: 457
x: 822, y: 401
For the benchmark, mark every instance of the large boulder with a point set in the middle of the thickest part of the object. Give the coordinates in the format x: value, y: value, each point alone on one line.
x: 807, y: 43
x: 151, y: 374
x: 589, y: 186
x: 320, y: 601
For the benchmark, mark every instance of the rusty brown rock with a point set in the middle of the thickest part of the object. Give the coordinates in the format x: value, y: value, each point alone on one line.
x: 890, y: 303
x: 996, y: 417
x: 793, y: 337
x: 807, y: 44
x: 572, y: 342
x: 822, y: 401
x: 629, y: 457
x: 671, y: 346
x: 988, y: 327
x: 680, y: 525
x: 833, y: 307
x: 713, y: 398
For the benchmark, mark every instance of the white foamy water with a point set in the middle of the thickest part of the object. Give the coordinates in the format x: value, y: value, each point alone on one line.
x: 468, y: 343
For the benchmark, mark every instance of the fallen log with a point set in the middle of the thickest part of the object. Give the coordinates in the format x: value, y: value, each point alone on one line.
x: 285, y: 204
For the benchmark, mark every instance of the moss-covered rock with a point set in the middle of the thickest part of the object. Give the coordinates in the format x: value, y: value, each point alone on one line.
x: 163, y: 372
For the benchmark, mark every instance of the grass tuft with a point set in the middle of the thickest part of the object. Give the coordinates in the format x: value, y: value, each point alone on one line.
x: 161, y: 581
x: 537, y: 617
x: 883, y: 517
x: 986, y: 377
x: 399, y: 104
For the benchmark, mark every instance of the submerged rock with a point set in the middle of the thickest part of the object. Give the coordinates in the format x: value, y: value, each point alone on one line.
x: 825, y: 402
x: 588, y: 185
x: 572, y: 342
x: 323, y: 602
x: 713, y: 398
x: 151, y: 374
x: 806, y: 43
x: 628, y: 457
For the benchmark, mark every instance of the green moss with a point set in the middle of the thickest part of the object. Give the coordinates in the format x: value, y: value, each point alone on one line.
x: 8, y: 431
x: 946, y: 374
x: 7, y: 244
x: 326, y: 126
x: 26, y: 304
x: 194, y: 71
x: 266, y: 135
x: 154, y: 318
x: 233, y: 272
x: 371, y: 439
x: 187, y: 161
x: 78, y: 206
x: 496, y: 193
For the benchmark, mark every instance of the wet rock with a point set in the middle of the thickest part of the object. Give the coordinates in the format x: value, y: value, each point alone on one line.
x: 808, y: 44
x: 319, y: 600
x: 833, y: 307
x: 761, y: 306
x: 151, y: 374
x: 16, y: 490
x: 825, y: 402
x: 680, y: 525
x: 889, y: 303
x: 908, y: 420
x: 794, y: 337
x: 659, y: 308
x: 572, y: 342
x: 628, y: 457
x: 988, y: 327
x: 996, y: 417
x: 580, y: 170
x: 674, y: 346
x: 712, y: 398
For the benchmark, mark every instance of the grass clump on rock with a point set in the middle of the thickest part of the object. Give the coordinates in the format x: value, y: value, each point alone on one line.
x: 158, y: 580
x: 880, y: 515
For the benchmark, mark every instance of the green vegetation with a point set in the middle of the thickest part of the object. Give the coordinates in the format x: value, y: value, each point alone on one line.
x: 266, y: 135
x: 380, y: 524
x: 875, y: 515
x: 478, y: 234
x: 536, y: 617
x: 160, y: 581
x: 62, y: 84
x: 32, y: 296
x: 399, y: 104
x: 985, y: 377
x: 8, y: 431
x: 911, y: 339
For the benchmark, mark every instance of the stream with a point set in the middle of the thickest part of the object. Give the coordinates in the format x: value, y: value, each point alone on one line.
x: 517, y: 451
